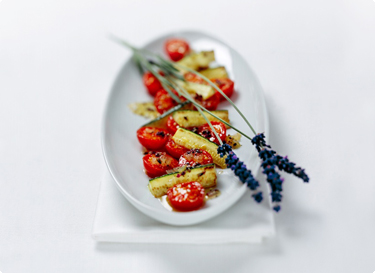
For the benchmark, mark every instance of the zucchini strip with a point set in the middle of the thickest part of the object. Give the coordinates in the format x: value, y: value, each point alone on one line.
x: 205, y: 175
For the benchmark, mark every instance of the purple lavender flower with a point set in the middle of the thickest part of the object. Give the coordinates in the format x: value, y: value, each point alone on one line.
x: 259, y: 142
x: 284, y: 165
x: 258, y: 197
x: 277, y: 208
x: 240, y: 170
x: 272, y: 163
x: 271, y: 160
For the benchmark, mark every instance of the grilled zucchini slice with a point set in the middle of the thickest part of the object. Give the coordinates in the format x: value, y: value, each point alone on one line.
x: 198, y: 60
x: 144, y: 109
x: 161, y: 121
x: 205, y: 91
x: 215, y: 73
x: 191, y: 118
x: 191, y: 140
x: 205, y: 175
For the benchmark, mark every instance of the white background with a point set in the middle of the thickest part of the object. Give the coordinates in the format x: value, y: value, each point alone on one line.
x: 316, y: 62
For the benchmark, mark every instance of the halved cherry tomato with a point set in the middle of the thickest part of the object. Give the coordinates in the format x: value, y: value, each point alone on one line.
x: 211, y: 103
x: 156, y: 164
x: 163, y: 101
x: 152, y: 138
x: 152, y: 83
x: 206, y: 131
x: 186, y: 196
x: 191, y: 77
x: 226, y: 85
x: 172, y: 125
x: 195, y: 157
x: 174, y: 149
x: 176, y: 49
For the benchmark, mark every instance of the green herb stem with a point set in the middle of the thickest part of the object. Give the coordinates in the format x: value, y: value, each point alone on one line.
x: 186, y: 95
x: 161, y: 79
x: 220, y: 91
x: 170, y: 68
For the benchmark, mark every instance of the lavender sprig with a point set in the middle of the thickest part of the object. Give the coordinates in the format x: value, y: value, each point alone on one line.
x: 240, y: 170
x: 271, y: 164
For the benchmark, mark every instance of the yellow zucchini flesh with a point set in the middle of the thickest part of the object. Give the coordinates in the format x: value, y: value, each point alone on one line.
x: 191, y: 140
x: 215, y: 73
x: 191, y: 118
x: 198, y: 60
x: 203, y: 90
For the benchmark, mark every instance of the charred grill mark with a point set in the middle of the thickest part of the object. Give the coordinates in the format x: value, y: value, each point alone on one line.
x: 206, y: 133
x: 160, y: 133
x: 194, y: 129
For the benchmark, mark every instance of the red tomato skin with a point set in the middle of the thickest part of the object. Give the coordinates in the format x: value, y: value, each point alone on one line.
x: 176, y: 49
x: 174, y: 149
x: 163, y: 101
x: 152, y: 83
x: 206, y: 131
x: 186, y: 196
x: 152, y: 138
x: 172, y: 125
x: 156, y: 164
x: 195, y: 157
x: 211, y: 103
x: 191, y: 77
x: 225, y: 85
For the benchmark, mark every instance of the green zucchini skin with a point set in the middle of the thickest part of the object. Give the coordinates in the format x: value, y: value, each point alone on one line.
x: 205, y: 175
x: 161, y: 121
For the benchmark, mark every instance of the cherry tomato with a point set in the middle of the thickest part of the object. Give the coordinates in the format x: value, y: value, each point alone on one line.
x: 226, y: 85
x: 206, y: 131
x: 211, y: 103
x: 156, y: 164
x: 152, y: 83
x: 152, y: 138
x: 191, y: 77
x: 174, y: 149
x: 195, y: 157
x: 172, y: 125
x: 177, y: 49
x: 186, y: 196
x: 163, y: 101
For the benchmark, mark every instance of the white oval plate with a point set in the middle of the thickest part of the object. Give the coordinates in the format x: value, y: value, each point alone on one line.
x: 123, y: 153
